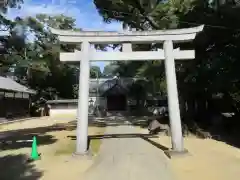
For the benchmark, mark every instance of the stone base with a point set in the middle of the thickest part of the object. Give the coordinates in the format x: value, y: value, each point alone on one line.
x: 173, y: 154
x: 85, y: 155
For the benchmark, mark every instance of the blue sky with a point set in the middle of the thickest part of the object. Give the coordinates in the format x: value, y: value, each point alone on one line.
x: 83, y: 11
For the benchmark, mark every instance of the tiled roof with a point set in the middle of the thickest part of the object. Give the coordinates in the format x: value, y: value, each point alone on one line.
x: 11, y: 85
x: 102, y: 85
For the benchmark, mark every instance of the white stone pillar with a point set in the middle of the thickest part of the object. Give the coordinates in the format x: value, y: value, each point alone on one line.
x: 127, y: 46
x: 83, y: 96
x: 173, y: 102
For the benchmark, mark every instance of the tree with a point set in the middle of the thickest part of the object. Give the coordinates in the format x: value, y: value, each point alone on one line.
x: 95, y: 72
x: 180, y: 14
x: 37, y: 64
x: 59, y: 74
x: 8, y: 45
x: 215, y: 68
x: 109, y: 70
x: 144, y: 14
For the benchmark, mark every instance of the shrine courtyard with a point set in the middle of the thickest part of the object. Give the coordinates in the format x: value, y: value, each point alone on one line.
x: 208, y: 159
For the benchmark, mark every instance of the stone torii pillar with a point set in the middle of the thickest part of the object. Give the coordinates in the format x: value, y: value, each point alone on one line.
x: 83, y: 94
x: 173, y: 102
x: 167, y: 37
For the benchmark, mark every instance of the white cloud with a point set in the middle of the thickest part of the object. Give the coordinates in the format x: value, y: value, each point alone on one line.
x: 86, y: 15
x: 32, y: 10
x: 83, y: 11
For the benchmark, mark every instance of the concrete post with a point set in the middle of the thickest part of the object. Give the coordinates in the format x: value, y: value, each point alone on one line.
x: 127, y: 46
x: 83, y: 94
x: 173, y: 102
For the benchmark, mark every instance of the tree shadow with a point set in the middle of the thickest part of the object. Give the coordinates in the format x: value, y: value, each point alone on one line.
x: 218, y: 127
x: 24, y: 141
x: 16, y: 139
x: 157, y: 145
x: 227, y: 133
x: 16, y: 167
x: 145, y: 137
x: 230, y: 140
x: 41, y: 130
x: 142, y: 121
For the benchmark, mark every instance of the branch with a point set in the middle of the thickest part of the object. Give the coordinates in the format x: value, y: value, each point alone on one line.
x: 148, y: 18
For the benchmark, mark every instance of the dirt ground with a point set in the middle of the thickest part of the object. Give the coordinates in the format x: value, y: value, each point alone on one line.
x: 208, y: 159
x: 56, y: 143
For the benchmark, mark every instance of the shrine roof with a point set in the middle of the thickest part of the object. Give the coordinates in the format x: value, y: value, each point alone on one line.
x: 11, y: 85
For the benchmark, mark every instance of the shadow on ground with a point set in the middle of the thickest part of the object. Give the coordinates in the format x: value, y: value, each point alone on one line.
x: 119, y: 121
x: 228, y: 132
x: 145, y: 137
x: 232, y: 139
x: 16, y: 167
x: 215, y: 126
x: 16, y: 139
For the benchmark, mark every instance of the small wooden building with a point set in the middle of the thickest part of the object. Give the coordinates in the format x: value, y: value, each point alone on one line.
x: 108, y: 94
x: 15, y: 99
x: 125, y: 95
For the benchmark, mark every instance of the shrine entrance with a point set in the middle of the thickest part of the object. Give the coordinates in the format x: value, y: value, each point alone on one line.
x: 116, y: 102
x: 116, y: 98
x: 127, y: 38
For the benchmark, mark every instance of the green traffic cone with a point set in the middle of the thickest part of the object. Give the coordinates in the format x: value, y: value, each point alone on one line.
x: 34, y: 153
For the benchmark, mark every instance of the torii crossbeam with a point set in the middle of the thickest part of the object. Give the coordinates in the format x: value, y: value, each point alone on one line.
x: 167, y: 37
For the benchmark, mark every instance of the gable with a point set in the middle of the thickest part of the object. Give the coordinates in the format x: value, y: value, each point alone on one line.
x: 11, y: 85
x: 99, y: 87
x: 116, y: 89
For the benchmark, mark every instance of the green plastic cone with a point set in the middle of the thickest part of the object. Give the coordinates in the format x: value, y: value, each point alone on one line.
x: 34, y: 153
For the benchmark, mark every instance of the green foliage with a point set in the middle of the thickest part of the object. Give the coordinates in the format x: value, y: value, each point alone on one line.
x: 109, y: 70
x: 215, y: 68
x: 36, y: 61
x: 95, y: 72
x: 144, y: 14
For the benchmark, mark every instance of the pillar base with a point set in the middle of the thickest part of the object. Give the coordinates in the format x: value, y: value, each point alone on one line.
x: 85, y: 155
x: 174, y: 154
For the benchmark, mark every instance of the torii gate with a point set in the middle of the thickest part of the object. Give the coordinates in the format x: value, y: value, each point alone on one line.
x: 167, y: 37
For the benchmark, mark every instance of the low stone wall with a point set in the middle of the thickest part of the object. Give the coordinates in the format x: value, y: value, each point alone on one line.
x: 63, y: 112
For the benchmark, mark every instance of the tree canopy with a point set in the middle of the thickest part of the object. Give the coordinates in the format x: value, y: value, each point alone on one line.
x: 214, y: 71
x: 216, y: 48
x: 32, y: 55
x: 31, y: 52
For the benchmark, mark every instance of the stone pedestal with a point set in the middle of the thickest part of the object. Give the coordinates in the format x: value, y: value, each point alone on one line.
x: 175, y: 154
